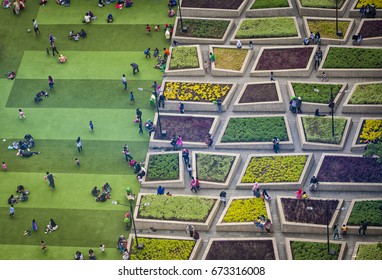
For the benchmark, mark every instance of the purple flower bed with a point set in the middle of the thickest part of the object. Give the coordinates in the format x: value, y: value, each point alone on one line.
x: 208, y: 4
x: 308, y: 211
x: 280, y: 59
x: 241, y: 250
x: 371, y: 29
x: 259, y: 93
x: 350, y: 169
x: 192, y: 129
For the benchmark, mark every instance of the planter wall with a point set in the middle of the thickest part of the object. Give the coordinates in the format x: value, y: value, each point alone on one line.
x: 354, y: 12
x: 269, y: 12
x: 319, y: 12
x: 361, y: 108
x: 214, y: 13
x: 356, y: 248
x: 372, y: 40
x: 194, y: 72
x: 360, y: 147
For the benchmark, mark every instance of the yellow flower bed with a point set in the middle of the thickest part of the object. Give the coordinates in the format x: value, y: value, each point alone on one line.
x: 377, y: 3
x: 371, y: 130
x: 245, y: 210
x: 204, y: 92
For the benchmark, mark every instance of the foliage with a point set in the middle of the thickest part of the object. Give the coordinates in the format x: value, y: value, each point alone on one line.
x: 371, y: 28
x: 179, y: 208
x: 355, y: 58
x: 367, y: 94
x: 259, y: 93
x: 230, y: 58
x: 255, y: 129
x: 269, y: 4
x: 377, y: 3
x: 213, y: 167
x: 327, y: 28
x: 245, y: 210
x: 308, y: 94
x: 369, y: 211
x: 285, y: 58
x: 183, y: 91
x: 319, y: 129
x: 206, y: 4
x: 369, y: 252
x: 163, y: 167
x: 374, y: 149
x: 325, y: 4
x: 203, y: 28
x: 267, y: 169
x: 305, y: 250
x: 184, y: 57
x: 371, y: 130
x: 162, y: 249
x: 267, y: 28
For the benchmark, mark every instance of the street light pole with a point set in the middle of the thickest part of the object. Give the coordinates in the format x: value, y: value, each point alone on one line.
x: 339, y: 33
x: 157, y: 108
x: 327, y: 230
x: 133, y: 220
x: 331, y: 106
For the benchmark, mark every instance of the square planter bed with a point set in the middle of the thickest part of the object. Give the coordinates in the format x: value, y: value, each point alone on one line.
x: 192, y: 128
x: 175, y: 212
x: 269, y: 30
x: 265, y: 169
x: 348, y: 172
x: 197, y: 96
x: 206, y: 8
x: 266, y: 8
x: 185, y: 61
x: 308, y: 215
x: 371, y: 31
x: 314, y: 249
x: 287, y: 61
x: 230, y: 61
x: 365, y: 209
x: 241, y: 249
x: 202, y: 30
x: 321, y: 8
x: 364, y: 98
x: 345, y: 62
x: 249, y: 132
x: 215, y: 170
x: 164, y: 169
x: 161, y: 247
x: 313, y: 99
x: 367, y: 251
x: 260, y: 97
x: 369, y: 129
x: 316, y: 132
x: 327, y: 29
x: 354, y: 9
x: 241, y: 212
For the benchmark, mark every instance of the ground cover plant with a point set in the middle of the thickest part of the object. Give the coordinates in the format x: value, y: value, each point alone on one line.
x: 183, y: 58
x: 325, y: 4
x: 213, y: 168
x: 371, y: 130
x: 327, y: 28
x: 162, y: 249
x: 350, y: 169
x: 193, y: 129
x: 369, y: 252
x: 163, y: 167
x: 320, y: 129
x: 369, y: 211
x: 207, y: 4
x: 259, y: 93
x: 266, y: 169
x: 245, y: 210
x: 367, y: 94
x: 258, y: 129
x: 203, y: 28
x: 308, y: 94
x: 267, y: 28
x: 178, y: 208
x: 203, y: 92
x: 230, y: 58
x: 287, y: 58
x: 304, y: 250
x: 377, y: 3
x: 350, y: 58
x: 266, y: 4
x: 241, y: 250
x: 372, y: 28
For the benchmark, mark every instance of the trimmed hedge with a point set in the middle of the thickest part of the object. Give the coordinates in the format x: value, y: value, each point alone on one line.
x: 354, y: 58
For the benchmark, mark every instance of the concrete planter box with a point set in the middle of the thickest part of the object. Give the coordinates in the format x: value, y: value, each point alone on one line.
x: 371, y: 230
x: 288, y: 247
x: 269, y: 12
x: 194, y: 72
x: 348, y: 72
x: 354, y: 12
x: 240, y: 227
x: 360, y: 147
x: 310, y: 107
x: 371, y: 40
x: 179, y: 183
x: 302, y: 72
x: 166, y: 143
x: 271, y: 40
x: 198, y: 106
x: 345, y: 186
x: 214, y: 13
x: 306, y: 145
x: 197, y: 40
x: 282, y: 185
x: 357, y: 245
x: 284, y: 145
x: 293, y: 227
x: 320, y: 12
x: 194, y: 252
x: 220, y: 72
x: 217, y: 185
x: 327, y: 41
x: 211, y: 240
x: 173, y: 224
x: 361, y: 108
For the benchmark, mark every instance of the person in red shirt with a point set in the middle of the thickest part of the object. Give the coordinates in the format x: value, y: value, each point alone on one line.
x: 148, y: 28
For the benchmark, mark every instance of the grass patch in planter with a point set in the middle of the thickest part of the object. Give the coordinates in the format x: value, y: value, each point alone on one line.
x: 245, y: 210
x: 325, y: 4
x: 307, y: 93
x: 369, y: 252
x: 371, y: 29
x: 163, y: 167
x: 230, y: 58
x: 319, y: 129
x: 266, y: 4
x: 327, y: 28
x: 203, y: 28
x: 367, y: 94
x: 184, y: 58
x: 259, y: 93
x: 371, y: 130
x: 213, y: 168
x: 206, y: 4
x: 285, y: 58
x: 368, y: 210
x: 314, y: 250
x: 354, y: 58
x: 377, y: 3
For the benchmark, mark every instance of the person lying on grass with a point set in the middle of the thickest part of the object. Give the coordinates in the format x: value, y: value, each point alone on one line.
x: 26, y: 154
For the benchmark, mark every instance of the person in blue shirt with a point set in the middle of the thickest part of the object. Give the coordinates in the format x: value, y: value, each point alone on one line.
x: 160, y: 190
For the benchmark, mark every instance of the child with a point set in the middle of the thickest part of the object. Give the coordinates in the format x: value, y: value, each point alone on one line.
x: 324, y: 77
x: 77, y: 161
x: 147, y: 53
x: 102, y: 248
x: 27, y: 233
x: 22, y: 114
x: 148, y: 29
x: 91, y: 126
x: 344, y: 229
x: 132, y: 97
x: 157, y: 28
x: 43, y: 245
x: 4, y: 166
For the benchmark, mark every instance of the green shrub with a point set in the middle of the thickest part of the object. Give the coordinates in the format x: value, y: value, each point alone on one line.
x: 245, y: 210
x: 370, y: 211
x: 319, y: 129
x: 163, y: 167
x: 307, y: 93
x: 327, y: 28
x: 367, y: 94
x: 265, y: 4
x: 369, y: 252
x: 213, y: 167
x: 326, y: 4
x: 314, y: 250
x: 184, y: 57
x: 355, y: 58
x: 203, y: 28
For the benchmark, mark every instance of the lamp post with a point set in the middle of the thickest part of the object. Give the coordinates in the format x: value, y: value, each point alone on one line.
x: 182, y: 27
x: 339, y: 33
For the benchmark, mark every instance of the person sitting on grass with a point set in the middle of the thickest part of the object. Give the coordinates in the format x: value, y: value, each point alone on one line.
x: 13, y: 200
x: 72, y: 35
x: 21, y: 190
x: 52, y: 226
x: 95, y: 192
x: 11, y: 75
x: 129, y: 3
x: 62, y: 58
x: 109, y: 18
x: 6, y: 4
x: 83, y: 33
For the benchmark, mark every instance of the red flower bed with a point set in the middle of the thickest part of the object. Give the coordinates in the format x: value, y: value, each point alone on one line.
x: 259, y: 93
x: 208, y: 4
x: 280, y: 59
x: 371, y: 29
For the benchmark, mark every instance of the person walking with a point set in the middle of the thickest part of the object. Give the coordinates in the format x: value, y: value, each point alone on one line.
x: 324, y: 77
x: 190, y: 230
x: 271, y: 77
x: 135, y: 67
x: 132, y: 99
x: 336, y: 234
x: 189, y: 169
x: 186, y: 156
x: 77, y: 161
x: 362, y: 228
x: 193, y: 185
x: 51, y: 82
x: 43, y: 245
x: 161, y: 100
x: 276, y: 144
x: 21, y: 114
x: 147, y: 53
x: 344, y: 229
x: 181, y: 108
x: 50, y: 177
x: 138, y: 115
x: 124, y: 81
x: 212, y: 57
x: 34, y: 225
x: 268, y: 226
x: 91, y: 126
x: 4, y: 166
x: 140, y: 127
x: 11, y: 211
x: 126, y: 152
x: 54, y: 48
x: 35, y: 27
x: 219, y: 105
x: 223, y: 197
x: 79, y: 144
x: 298, y: 105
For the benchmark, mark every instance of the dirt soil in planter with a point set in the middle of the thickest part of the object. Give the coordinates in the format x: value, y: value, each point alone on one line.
x: 241, y: 250
x: 208, y: 4
x: 259, y: 93
x: 191, y: 129
x: 371, y: 29
x: 279, y: 59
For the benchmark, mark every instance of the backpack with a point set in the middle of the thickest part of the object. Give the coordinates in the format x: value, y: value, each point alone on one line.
x: 146, y: 52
